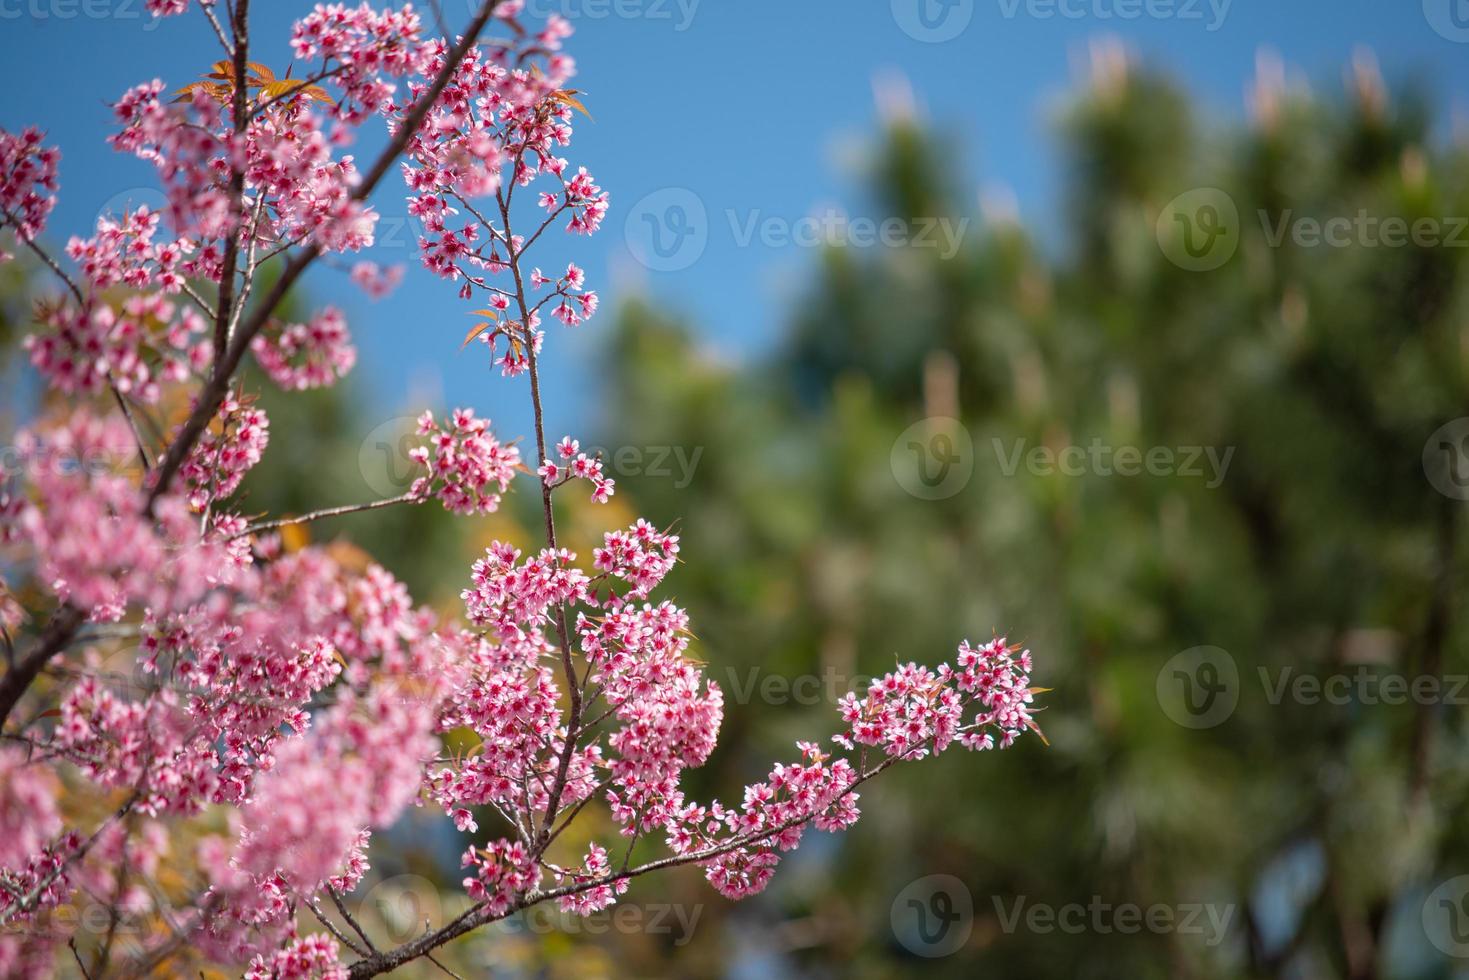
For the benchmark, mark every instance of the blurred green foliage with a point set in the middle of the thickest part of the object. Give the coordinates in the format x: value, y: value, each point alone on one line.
x: 1324, y: 550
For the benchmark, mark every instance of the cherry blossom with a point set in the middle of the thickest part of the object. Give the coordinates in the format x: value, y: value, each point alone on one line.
x: 467, y: 467
x: 298, y: 356
x: 27, y: 183
x: 575, y: 465
x: 181, y: 664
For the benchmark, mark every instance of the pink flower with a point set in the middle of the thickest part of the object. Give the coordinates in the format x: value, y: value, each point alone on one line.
x: 309, y: 355
x: 467, y: 468
x: 376, y: 281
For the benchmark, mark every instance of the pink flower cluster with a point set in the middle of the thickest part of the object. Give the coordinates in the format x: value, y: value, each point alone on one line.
x: 27, y: 183
x: 503, y: 871
x: 299, y: 356
x: 364, y: 45
x: 225, y: 453
x: 83, y: 521
x: 577, y: 465
x: 187, y: 145
x: 311, y: 957
x: 308, y: 191
x: 467, y: 467
x: 497, y: 113
x: 123, y: 252
x: 375, y: 280
x: 569, y: 288
x: 29, y: 818
x: 137, y: 346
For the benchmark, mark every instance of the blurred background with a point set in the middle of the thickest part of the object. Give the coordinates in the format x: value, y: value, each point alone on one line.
x: 1137, y: 332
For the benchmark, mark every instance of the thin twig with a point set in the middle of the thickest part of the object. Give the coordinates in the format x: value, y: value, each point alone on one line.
x: 316, y: 515
x: 331, y: 926
x: 342, y: 908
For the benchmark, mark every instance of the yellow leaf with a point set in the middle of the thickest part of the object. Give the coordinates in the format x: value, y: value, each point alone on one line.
x: 273, y: 90
x: 294, y: 537
x: 219, y: 93
x: 261, y: 70
x: 1039, y: 734
x: 568, y: 96
x: 492, y: 314
x: 479, y: 328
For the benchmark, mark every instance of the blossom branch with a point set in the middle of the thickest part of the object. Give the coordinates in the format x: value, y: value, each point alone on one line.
x: 481, y: 915
x: 316, y: 515
x: 68, y: 619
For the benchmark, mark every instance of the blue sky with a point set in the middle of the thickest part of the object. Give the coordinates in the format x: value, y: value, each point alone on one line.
x: 755, y: 113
